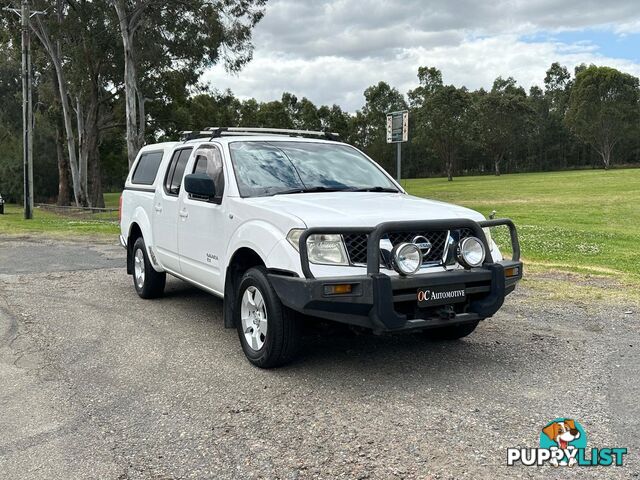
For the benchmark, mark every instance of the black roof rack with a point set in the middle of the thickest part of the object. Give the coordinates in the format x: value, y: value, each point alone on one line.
x: 216, y: 132
x: 212, y: 132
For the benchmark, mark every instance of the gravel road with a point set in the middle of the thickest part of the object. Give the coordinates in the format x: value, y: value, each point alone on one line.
x: 96, y: 383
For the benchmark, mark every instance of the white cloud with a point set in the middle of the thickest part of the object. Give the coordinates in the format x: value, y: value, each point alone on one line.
x: 330, y: 51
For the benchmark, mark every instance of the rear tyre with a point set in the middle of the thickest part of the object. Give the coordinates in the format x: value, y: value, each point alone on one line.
x: 453, y: 332
x: 269, y: 332
x: 148, y: 282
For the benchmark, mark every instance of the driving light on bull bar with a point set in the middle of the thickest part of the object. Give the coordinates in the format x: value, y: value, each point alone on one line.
x: 471, y: 252
x: 406, y: 258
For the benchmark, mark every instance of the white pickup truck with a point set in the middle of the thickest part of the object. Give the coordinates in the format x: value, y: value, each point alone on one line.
x: 281, y: 222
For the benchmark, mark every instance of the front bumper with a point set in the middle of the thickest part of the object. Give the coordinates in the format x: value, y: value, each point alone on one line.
x: 384, y: 303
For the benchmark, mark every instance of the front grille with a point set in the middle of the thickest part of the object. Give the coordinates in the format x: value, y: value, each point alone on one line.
x: 437, y: 239
x: 356, y: 243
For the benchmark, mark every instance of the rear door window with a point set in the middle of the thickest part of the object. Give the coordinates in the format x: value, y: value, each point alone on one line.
x: 175, y: 172
x: 147, y: 168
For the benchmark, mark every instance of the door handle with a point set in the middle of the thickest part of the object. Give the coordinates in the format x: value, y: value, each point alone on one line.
x: 183, y: 213
x: 158, y: 208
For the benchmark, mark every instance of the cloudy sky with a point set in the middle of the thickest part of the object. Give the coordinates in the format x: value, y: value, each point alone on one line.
x: 331, y: 50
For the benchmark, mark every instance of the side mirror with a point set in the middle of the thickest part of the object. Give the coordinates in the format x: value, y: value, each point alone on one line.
x: 200, y: 184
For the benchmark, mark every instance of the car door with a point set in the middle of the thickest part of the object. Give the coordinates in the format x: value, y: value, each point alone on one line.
x: 201, y: 229
x: 166, y: 212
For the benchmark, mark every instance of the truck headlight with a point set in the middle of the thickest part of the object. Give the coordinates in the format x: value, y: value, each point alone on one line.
x: 321, y: 248
x: 327, y: 249
x: 406, y: 258
x: 471, y: 252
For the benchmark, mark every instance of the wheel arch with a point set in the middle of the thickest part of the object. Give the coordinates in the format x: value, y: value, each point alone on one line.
x: 140, y: 226
x: 243, y: 259
x: 134, y: 233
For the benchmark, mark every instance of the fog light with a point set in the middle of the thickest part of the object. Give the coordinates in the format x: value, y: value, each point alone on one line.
x: 471, y: 252
x: 406, y: 258
x: 340, y: 289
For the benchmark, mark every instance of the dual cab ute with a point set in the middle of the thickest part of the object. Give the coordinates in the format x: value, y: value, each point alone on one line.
x: 281, y: 222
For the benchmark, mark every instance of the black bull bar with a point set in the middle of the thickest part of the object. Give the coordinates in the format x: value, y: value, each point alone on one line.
x: 376, y: 295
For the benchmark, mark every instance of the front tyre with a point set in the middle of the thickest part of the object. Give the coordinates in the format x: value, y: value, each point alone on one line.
x: 148, y: 282
x: 453, y: 332
x: 268, y: 331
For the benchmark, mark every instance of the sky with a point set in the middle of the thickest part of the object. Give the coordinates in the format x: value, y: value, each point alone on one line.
x: 330, y: 51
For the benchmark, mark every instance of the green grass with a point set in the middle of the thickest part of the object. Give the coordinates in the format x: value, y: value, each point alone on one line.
x: 45, y: 221
x: 111, y: 200
x: 581, y: 221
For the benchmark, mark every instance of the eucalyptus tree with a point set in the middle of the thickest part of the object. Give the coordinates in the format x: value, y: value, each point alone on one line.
x: 181, y: 37
x: 79, y: 40
x: 442, y: 116
x: 370, y: 123
x: 503, y: 115
x: 10, y: 123
x: 604, y: 108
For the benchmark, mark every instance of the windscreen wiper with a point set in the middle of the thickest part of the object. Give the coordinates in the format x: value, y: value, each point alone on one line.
x: 313, y: 190
x: 375, y: 189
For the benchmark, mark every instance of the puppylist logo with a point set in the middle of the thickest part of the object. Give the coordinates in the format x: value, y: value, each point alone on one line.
x: 563, y: 442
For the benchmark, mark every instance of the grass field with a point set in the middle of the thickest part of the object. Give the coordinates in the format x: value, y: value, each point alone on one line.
x: 52, y: 223
x: 585, y: 221
x: 111, y: 200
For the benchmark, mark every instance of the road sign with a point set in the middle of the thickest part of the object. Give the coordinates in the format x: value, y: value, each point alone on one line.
x: 398, y: 126
x: 398, y: 132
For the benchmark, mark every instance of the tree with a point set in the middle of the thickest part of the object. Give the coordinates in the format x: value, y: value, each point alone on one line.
x: 447, y: 115
x: 441, y: 115
x: 370, y: 124
x: 79, y: 39
x: 430, y: 79
x: 178, y: 36
x: 274, y: 114
x: 334, y: 119
x: 603, y: 108
x: 10, y: 124
x: 503, y: 116
x: 557, y: 84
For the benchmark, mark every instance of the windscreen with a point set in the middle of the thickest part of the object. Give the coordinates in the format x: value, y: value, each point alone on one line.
x: 269, y: 168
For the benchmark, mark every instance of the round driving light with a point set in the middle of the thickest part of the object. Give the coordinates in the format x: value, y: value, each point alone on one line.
x: 471, y: 252
x: 406, y: 258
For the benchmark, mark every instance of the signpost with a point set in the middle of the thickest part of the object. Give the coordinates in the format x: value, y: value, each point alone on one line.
x: 398, y: 132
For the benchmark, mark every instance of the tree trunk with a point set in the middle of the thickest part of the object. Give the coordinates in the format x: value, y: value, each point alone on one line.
x: 96, y: 197
x: 450, y: 157
x: 496, y: 165
x: 82, y: 150
x: 91, y: 150
x: 606, y: 158
x: 56, y: 55
x: 135, y: 119
x: 64, y: 195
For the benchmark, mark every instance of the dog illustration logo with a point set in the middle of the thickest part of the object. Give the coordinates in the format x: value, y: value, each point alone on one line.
x: 566, y: 435
x: 563, y: 442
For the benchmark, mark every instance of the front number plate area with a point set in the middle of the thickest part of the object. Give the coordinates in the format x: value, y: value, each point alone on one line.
x: 446, y: 295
